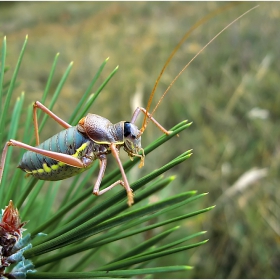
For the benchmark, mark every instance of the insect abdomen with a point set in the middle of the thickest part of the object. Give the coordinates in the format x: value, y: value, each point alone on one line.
x: 69, y: 141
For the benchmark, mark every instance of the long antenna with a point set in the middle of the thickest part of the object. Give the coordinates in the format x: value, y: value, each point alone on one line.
x: 200, y: 22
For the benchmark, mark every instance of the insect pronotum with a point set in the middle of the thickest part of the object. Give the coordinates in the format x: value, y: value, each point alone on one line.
x: 94, y: 137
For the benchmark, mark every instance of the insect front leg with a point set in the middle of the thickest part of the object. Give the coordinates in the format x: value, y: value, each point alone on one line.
x: 143, y: 110
x: 124, y: 183
x: 39, y: 105
x: 102, y: 168
x: 115, y: 153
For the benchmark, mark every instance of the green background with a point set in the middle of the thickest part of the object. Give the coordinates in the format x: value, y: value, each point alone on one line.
x: 230, y: 92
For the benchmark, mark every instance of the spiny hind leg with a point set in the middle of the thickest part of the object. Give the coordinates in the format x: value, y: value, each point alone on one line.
x: 67, y: 159
x: 3, y: 159
x: 39, y: 105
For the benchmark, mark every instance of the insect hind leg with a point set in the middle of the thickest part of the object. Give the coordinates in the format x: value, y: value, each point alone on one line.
x: 67, y: 159
x: 39, y: 105
x: 3, y: 159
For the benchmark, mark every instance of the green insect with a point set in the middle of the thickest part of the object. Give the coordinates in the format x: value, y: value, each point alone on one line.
x: 74, y: 149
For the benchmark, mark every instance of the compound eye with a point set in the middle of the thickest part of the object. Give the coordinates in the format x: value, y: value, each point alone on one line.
x: 127, y: 129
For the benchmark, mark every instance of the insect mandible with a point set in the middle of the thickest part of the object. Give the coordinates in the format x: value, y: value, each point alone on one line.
x: 75, y: 149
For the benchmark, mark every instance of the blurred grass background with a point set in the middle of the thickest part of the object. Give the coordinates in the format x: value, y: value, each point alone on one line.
x: 230, y: 92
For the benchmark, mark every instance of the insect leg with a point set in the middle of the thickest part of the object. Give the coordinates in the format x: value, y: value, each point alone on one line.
x: 39, y: 105
x: 103, y: 164
x: 124, y: 183
x: 102, y: 168
x: 3, y: 159
x: 67, y: 159
x: 140, y: 109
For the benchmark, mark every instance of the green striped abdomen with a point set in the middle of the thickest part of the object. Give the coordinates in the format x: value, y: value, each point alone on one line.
x: 69, y: 141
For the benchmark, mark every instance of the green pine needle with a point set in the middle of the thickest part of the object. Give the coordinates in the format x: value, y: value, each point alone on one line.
x: 83, y: 225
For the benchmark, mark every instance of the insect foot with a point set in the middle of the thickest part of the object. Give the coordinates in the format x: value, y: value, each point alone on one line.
x: 129, y: 191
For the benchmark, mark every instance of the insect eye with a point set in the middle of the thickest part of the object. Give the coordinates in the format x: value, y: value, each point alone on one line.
x: 127, y: 129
